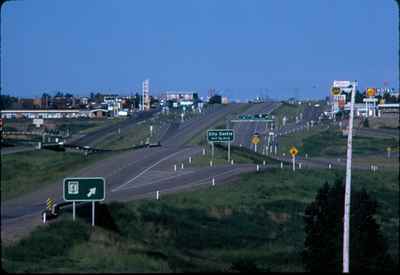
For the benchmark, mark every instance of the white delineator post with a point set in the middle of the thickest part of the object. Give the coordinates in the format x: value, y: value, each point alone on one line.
x: 346, y: 228
x: 294, y: 162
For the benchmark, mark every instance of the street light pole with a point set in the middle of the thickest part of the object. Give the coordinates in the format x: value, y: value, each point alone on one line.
x: 346, y: 229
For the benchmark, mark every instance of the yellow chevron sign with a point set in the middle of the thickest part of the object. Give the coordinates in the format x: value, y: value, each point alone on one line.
x: 50, y: 203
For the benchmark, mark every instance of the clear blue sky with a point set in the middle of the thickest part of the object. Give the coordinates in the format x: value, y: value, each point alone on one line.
x: 236, y: 47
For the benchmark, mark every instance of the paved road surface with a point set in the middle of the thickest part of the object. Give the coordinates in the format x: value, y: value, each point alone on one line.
x: 125, y: 170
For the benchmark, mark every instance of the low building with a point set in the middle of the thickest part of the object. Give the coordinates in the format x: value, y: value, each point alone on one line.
x: 73, y: 113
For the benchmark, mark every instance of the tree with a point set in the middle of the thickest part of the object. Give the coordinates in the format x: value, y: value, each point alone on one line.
x: 215, y: 99
x: 324, y: 233
x: 366, y: 123
x: 7, y: 101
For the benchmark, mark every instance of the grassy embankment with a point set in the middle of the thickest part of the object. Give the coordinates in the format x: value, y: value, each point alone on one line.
x: 288, y: 110
x: 28, y: 171
x: 330, y: 143
x: 25, y: 172
x: 140, y: 132
x: 239, y: 155
x: 255, y: 224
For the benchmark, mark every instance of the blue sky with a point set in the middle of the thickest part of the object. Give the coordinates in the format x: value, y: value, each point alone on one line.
x: 239, y: 47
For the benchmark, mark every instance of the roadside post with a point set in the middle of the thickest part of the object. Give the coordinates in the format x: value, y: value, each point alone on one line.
x: 293, y: 151
x: 255, y: 140
x: 212, y: 151
x: 151, y: 130
x: 84, y: 189
x: 50, y: 202
x: 220, y: 135
x: 44, y: 216
x: 229, y: 151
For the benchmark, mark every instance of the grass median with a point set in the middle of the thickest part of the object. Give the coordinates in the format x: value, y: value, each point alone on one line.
x: 25, y: 172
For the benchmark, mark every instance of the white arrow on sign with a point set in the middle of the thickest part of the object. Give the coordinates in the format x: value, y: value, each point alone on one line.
x: 92, y: 191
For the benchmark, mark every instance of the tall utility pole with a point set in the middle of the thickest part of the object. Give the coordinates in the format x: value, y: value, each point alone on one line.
x: 346, y: 229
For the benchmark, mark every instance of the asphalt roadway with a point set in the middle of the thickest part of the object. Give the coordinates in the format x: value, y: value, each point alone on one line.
x: 133, y: 173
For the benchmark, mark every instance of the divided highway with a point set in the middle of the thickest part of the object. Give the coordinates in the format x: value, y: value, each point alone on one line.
x: 131, y: 168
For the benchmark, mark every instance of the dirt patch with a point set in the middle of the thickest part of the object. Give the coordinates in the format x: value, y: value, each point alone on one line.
x: 219, y: 213
x: 278, y: 217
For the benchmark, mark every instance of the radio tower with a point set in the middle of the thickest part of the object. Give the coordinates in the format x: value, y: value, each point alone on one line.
x: 145, y: 95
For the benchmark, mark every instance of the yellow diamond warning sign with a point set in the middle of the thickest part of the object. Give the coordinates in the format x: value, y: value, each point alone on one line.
x: 255, y: 139
x: 293, y: 151
x: 371, y: 92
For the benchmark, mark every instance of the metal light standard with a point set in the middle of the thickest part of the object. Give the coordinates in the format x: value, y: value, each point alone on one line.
x: 346, y: 229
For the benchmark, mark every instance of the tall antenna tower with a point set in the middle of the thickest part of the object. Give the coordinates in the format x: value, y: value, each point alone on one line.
x: 145, y: 95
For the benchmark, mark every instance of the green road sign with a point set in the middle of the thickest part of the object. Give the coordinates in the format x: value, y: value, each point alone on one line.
x: 256, y: 117
x: 216, y: 135
x: 84, y: 189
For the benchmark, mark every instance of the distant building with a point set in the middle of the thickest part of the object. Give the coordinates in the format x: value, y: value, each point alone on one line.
x: 66, y: 113
x: 179, y: 98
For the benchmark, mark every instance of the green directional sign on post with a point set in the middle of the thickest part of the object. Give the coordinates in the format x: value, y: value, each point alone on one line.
x: 220, y: 135
x: 256, y: 117
x: 84, y: 189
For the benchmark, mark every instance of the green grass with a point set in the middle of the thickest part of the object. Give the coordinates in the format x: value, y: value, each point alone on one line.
x: 139, y: 133
x: 239, y: 155
x: 331, y: 143
x: 201, y: 138
x: 256, y: 222
x: 130, y: 137
x: 25, y: 172
x: 288, y: 110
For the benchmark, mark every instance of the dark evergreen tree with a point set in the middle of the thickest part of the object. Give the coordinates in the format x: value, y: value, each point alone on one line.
x: 324, y: 233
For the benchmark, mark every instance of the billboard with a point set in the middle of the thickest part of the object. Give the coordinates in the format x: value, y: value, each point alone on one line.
x: 341, y: 83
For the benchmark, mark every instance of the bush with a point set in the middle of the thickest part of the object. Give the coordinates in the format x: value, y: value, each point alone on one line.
x: 44, y: 243
x: 324, y: 233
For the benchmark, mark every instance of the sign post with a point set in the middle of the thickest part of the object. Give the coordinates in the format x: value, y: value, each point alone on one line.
x: 255, y: 140
x: 229, y: 151
x: 73, y: 210
x: 293, y: 151
x: 84, y: 189
x: 388, y: 152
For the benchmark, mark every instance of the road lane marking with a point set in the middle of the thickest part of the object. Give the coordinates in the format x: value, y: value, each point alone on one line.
x: 156, y: 181
x: 147, y: 169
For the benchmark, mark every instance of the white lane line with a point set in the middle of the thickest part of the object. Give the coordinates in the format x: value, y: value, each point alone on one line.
x: 147, y: 169
x: 156, y: 181
x: 204, y: 180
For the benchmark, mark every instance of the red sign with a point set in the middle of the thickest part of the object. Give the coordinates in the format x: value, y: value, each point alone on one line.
x: 341, y: 104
